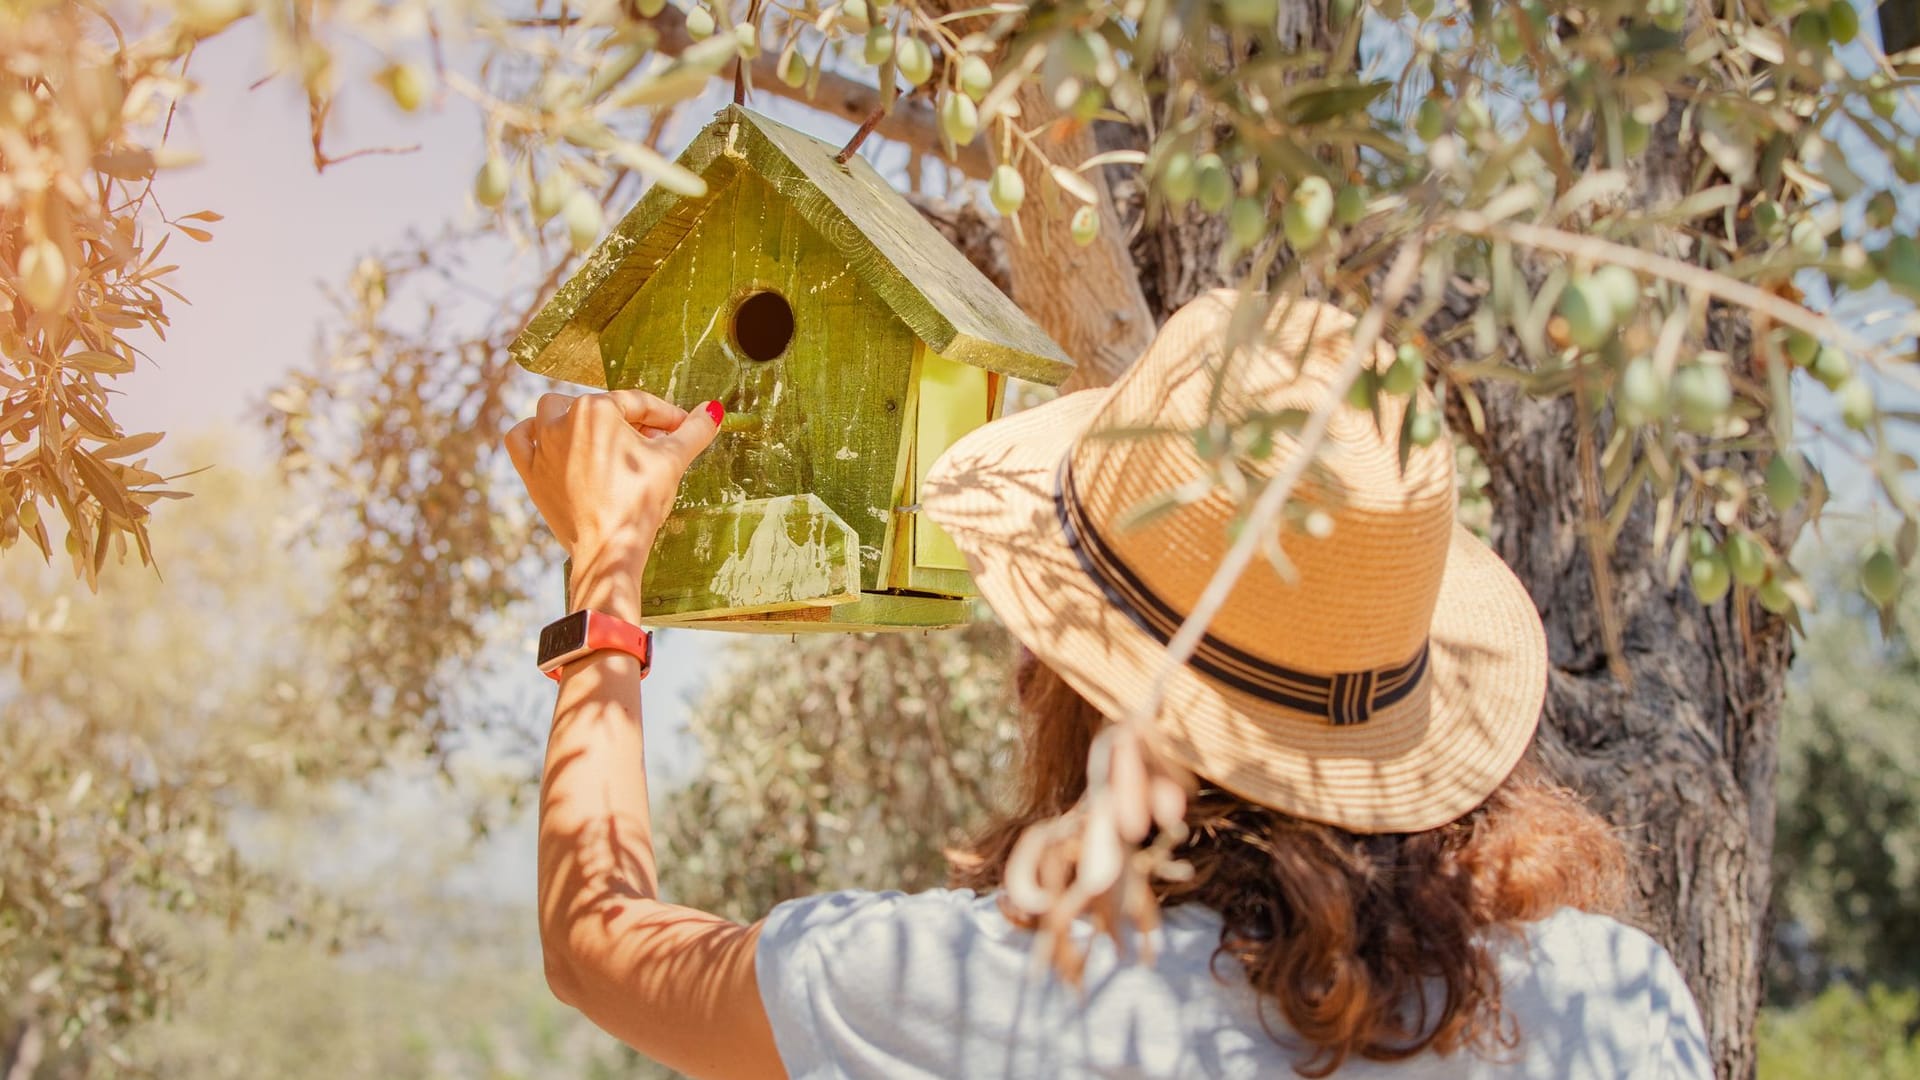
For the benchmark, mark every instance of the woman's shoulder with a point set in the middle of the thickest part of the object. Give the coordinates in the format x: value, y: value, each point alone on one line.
x: 1584, y: 940
x: 1589, y: 990
x: 839, y: 916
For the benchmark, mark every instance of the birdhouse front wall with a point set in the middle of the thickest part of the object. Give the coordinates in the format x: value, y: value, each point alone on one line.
x: 825, y: 414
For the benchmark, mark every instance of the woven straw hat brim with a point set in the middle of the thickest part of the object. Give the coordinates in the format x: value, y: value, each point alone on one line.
x: 1420, y: 764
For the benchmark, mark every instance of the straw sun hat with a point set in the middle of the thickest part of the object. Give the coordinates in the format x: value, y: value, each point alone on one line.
x: 1388, y: 684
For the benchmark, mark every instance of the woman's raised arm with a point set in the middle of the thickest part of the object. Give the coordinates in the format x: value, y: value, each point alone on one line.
x: 674, y: 983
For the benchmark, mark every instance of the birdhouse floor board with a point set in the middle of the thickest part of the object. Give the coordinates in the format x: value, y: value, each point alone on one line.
x: 872, y: 613
x: 757, y: 556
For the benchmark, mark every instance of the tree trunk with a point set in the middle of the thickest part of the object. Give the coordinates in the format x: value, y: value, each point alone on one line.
x: 1682, y: 755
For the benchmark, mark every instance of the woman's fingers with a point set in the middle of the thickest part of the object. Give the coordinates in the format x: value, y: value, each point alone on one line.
x: 686, y: 441
x: 519, y: 444
x: 552, y: 407
x: 643, y: 410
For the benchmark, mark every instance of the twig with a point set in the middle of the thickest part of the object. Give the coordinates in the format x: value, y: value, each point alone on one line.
x: 1599, y: 547
x: 1734, y: 292
x: 1266, y: 509
x: 859, y: 136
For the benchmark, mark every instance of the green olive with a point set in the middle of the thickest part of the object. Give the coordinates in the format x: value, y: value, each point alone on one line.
x: 1747, y: 558
x: 879, y: 45
x: 1831, y: 366
x: 1801, y: 347
x: 1423, y: 427
x: 1350, y: 206
x: 1247, y: 222
x: 1881, y: 210
x: 976, y: 78
x: 582, y: 215
x: 959, y: 118
x: 1507, y: 40
x: 1365, y: 388
x: 914, y: 59
x: 1880, y: 574
x: 1783, y: 484
x: 1589, y: 312
x: 1856, y: 404
x: 1252, y: 12
x: 490, y: 184
x: 1700, y: 543
x: 1085, y: 226
x: 1429, y: 120
x: 1710, y: 577
x: 1308, y: 213
x: 794, y: 69
x: 1906, y: 163
x: 1643, y: 393
x: 1213, y: 185
x: 550, y: 195
x: 1773, y: 596
x: 1621, y: 287
x: 1403, y: 375
x: 1881, y: 97
x: 408, y: 85
x: 1006, y: 190
x: 1843, y: 22
x: 1807, y: 239
x: 1810, y: 31
x: 1704, y: 394
x: 1634, y: 136
x: 43, y: 274
x: 1177, y: 180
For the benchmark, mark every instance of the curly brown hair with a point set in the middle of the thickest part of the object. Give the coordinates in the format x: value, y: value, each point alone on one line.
x: 1341, y: 931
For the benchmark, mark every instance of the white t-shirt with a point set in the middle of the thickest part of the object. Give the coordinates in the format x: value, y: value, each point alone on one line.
x: 940, y: 984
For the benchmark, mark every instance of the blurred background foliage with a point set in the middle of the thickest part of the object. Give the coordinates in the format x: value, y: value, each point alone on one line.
x: 240, y: 921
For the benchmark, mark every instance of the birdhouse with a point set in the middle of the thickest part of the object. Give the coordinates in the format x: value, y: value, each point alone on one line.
x: 851, y: 345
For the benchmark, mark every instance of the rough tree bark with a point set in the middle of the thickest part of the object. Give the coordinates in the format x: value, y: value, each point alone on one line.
x: 1681, y: 753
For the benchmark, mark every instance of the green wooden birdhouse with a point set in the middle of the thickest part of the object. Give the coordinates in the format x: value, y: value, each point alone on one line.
x: 850, y: 343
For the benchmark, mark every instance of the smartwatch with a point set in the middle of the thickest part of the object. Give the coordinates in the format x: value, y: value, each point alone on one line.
x: 583, y: 633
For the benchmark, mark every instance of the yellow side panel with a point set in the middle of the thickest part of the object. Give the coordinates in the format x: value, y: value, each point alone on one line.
x: 955, y: 398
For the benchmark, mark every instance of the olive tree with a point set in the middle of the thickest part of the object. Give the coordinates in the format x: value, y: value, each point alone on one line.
x: 1653, y: 256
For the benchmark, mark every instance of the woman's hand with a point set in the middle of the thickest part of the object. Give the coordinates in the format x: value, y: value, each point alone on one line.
x: 603, y: 469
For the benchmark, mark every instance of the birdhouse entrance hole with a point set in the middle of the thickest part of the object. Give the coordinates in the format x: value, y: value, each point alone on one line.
x: 763, y: 325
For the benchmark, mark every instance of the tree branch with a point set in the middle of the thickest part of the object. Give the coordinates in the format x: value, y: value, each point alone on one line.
x: 910, y: 122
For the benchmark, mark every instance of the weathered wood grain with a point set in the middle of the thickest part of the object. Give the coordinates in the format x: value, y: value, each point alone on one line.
x: 830, y: 408
x: 756, y: 556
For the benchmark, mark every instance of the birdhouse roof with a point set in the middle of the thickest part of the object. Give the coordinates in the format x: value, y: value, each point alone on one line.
x: 921, y: 277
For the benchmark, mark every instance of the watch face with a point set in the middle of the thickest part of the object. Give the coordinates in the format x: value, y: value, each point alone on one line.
x: 563, y: 636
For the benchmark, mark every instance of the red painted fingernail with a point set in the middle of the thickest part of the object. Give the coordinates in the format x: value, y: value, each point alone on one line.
x: 717, y: 411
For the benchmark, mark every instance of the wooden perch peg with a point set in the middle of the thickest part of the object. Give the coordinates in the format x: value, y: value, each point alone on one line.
x: 738, y: 423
